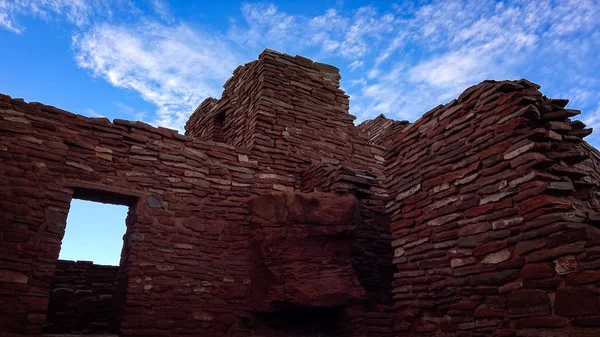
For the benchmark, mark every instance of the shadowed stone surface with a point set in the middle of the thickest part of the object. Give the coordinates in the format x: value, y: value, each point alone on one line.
x: 274, y: 215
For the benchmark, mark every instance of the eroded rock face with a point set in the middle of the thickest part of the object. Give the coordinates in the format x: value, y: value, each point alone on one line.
x: 301, y: 246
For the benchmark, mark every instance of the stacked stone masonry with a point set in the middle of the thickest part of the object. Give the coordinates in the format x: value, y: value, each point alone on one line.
x: 274, y: 215
x: 82, y: 298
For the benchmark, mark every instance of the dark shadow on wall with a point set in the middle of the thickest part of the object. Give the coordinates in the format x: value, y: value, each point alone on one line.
x: 298, y: 321
x: 87, y: 298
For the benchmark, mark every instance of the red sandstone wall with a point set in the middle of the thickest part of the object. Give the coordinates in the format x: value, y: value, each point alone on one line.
x: 291, y: 112
x: 82, y: 299
x: 298, y: 120
x: 186, y: 267
x: 237, y: 103
x: 381, y: 130
x: 186, y: 264
x: 493, y: 201
x: 494, y: 223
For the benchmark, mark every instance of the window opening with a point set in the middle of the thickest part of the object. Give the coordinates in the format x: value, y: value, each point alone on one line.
x: 84, y: 297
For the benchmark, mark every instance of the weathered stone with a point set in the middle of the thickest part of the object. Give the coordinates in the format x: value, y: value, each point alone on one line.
x: 512, y: 153
x: 533, y: 271
x: 501, y: 224
x: 494, y: 278
x: 555, y: 252
x: 497, y: 257
x: 542, y: 322
x: 494, y: 197
x: 154, y: 202
x: 399, y: 251
x: 528, y: 302
x: 442, y: 220
x: 489, y: 247
x: 479, y: 239
x: 475, y: 228
x: 566, y: 265
x: 583, y: 277
x: 524, y: 247
x: 462, y: 262
x: 137, y: 236
x: 10, y: 276
x: 575, y: 301
x: 512, y: 286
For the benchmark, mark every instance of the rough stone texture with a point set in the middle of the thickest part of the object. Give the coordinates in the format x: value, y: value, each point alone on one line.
x: 82, y: 298
x: 493, y: 202
x: 302, y: 246
x: 276, y: 216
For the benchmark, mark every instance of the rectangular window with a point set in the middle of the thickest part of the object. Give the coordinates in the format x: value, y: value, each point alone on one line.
x: 85, y: 295
x: 94, y: 232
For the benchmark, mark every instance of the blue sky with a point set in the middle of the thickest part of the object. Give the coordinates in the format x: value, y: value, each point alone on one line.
x: 156, y: 60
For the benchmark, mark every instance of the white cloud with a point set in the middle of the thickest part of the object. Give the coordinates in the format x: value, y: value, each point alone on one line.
x: 446, y: 46
x: 173, y: 67
x: 581, y: 95
x: 373, y: 73
x: 401, y: 61
x: 7, y: 20
x: 162, y: 9
x: 92, y: 113
x: 131, y: 112
x: 452, y: 70
x: 356, y: 64
x: 348, y: 35
x: 592, y: 120
x: 264, y: 23
x: 76, y: 12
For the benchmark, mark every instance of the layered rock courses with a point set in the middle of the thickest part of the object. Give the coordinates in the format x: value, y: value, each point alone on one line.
x: 274, y: 215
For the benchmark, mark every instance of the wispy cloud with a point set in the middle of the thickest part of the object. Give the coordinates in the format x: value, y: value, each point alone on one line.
x: 131, y: 112
x: 412, y: 56
x: 76, y: 12
x: 592, y: 120
x: 162, y: 9
x: 92, y: 113
x: 7, y: 19
x: 401, y: 60
x: 173, y: 67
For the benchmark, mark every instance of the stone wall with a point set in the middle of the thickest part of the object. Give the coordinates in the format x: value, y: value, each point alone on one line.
x: 494, y: 222
x: 294, y: 120
x: 82, y: 299
x: 478, y: 219
x: 291, y: 112
x: 185, y: 258
x: 187, y: 267
x: 381, y: 130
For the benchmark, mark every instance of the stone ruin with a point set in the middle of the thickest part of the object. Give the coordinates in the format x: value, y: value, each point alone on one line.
x: 274, y: 215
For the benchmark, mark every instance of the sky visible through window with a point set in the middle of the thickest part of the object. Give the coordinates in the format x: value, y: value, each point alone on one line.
x: 94, y: 232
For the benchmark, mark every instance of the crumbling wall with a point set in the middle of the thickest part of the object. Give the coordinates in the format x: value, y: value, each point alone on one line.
x: 303, y: 121
x: 235, y: 110
x: 82, y: 299
x: 291, y: 112
x: 381, y: 129
x: 492, y: 200
x: 493, y: 222
x: 185, y: 265
x: 299, y: 126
